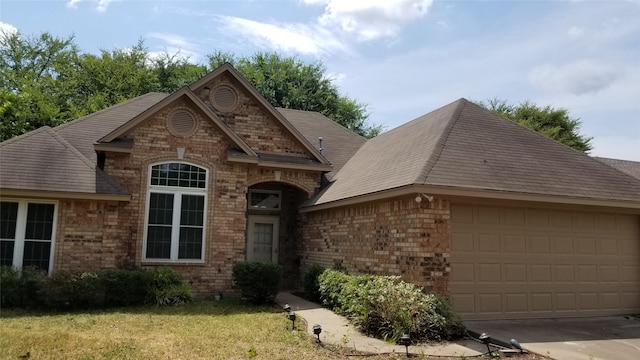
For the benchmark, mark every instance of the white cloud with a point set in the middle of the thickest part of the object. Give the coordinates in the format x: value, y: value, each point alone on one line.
x: 101, y: 5
x: 176, y: 45
x: 616, y: 147
x: 372, y: 19
x: 305, y: 39
x: 579, y: 77
x: 7, y: 28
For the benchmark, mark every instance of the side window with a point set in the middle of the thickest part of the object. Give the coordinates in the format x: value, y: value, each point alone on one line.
x: 176, y: 213
x: 27, y: 232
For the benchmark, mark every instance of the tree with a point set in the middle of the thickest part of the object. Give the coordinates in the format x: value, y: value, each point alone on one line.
x: 32, y: 90
x: 289, y: 83
x: 550, y: 122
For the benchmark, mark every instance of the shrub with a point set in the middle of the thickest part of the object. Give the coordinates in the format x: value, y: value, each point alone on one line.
x: 125, y: 287
x: 387, y: 307
x: 259, y: 282
x: 21, y: 288
x: 310, y: 282
x: 167, y: 288
x: 72, y: 290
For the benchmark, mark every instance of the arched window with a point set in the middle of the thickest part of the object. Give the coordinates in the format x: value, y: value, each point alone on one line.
x: 176, y: 213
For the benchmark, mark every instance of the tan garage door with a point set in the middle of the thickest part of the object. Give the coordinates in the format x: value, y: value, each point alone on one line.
x: 509, y: 262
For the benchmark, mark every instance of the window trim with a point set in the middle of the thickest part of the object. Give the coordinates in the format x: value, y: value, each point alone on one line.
x: 21, y: 230
x: 175, y: 225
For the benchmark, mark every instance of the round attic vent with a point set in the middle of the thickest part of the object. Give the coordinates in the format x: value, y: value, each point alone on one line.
x: 182, y: 123
x: 223, y: 98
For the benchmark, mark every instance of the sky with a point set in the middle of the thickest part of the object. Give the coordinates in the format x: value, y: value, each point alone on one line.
x: 403, y: 58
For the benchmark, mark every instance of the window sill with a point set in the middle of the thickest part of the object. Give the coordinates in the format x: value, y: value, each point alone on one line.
x: 172, y: 263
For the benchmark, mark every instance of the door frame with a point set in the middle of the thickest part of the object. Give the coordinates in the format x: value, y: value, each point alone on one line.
x: 264, y: 219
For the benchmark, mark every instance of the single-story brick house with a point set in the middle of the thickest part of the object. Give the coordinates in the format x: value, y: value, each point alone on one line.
x: 504, y: 221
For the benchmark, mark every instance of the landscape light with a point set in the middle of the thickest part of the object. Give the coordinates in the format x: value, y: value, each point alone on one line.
x: 405, y: 340
x: 292, y: 317
x: 317, y: 329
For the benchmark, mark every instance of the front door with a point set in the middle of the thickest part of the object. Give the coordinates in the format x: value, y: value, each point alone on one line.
x: 262, y: 242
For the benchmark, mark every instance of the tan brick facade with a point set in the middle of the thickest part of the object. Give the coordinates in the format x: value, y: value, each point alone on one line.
x: 94, y: 235
x: 397, y: 237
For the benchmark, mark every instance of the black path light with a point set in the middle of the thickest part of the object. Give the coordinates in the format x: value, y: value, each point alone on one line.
x: 405, y: 340
x: 486, y: 339
x: 317, y: 329
x: 286, y: 308
x: 292, y: 317
x: 515, y: 345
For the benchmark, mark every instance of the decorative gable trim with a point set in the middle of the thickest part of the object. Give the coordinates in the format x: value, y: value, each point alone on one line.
x: 184, y: 92
x: 272, y: 110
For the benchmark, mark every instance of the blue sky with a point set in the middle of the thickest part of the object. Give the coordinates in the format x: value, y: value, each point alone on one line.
x: 403, y: 58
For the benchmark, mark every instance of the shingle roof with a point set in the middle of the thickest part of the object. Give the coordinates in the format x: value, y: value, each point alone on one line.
x: 42, y: 160
x: 465, y: 146
x: 628, y: 167
x: 339, y: 143
x: 82, y: 133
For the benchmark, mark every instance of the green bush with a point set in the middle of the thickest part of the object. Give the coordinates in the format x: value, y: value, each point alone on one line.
x: 125, y: 287
x: 387, y: 307
x: 21, y: 288
x: 72, y: 290
x: 167, y: 288
x: 259, y: 282
x: 310, y: 282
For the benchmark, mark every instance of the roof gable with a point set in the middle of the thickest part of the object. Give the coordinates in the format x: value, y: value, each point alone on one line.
x: 202, y: 88
x: 43, y: 161
x: 464, y: 146
x: 182, y: 93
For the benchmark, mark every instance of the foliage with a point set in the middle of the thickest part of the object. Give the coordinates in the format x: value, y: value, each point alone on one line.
x: 258, y: 282
x: 310, y: 282
x: 387, y: 307
x: 90, y: 290
x: 47, y: 80
x: 289, y: 83
x: 550, y: 122
x: 20, y: 288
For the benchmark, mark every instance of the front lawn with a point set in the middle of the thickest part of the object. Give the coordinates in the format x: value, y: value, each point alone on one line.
x: 228, y: 329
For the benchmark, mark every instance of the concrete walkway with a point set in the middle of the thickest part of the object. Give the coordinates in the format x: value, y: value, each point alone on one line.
x: 337, y: 330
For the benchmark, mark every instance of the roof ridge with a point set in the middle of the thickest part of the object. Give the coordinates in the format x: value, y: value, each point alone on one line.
x: 87, y: 162
x: 441, y: 143
x: 25, y: 135
x: 109, y: 108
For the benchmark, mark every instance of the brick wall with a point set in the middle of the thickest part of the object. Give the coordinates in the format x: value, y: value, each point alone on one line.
x: 225, y: 241
x: 89, y: 236
x: 396, y: 237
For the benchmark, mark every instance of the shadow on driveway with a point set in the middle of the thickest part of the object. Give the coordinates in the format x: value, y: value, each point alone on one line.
x: 611, y: 337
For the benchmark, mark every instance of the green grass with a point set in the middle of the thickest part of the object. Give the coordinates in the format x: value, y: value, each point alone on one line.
x: 228, y: 329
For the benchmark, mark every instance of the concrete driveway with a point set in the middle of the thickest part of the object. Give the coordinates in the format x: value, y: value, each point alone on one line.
x: 594, y: 338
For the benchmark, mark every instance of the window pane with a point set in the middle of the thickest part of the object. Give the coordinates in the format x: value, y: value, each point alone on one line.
x: 264, y: 200
x: 6, y: 252
x: 192, y: 212
x: 8, y: 218
x: 39, y: 222
x: 160, y: 209
x: 179, y: 175
x: 36, y: 254
x: 159, y: 242
x: 190, y: 245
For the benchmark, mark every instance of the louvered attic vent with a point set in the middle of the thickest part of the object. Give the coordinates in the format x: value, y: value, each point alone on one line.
x: 224, y: 98
x: 182, y: 123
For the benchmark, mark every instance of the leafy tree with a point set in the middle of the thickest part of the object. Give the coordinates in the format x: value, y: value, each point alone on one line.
x: 550, y: 122
x: 33, y: 92
x: 289, y: 83
x: 173, y: 71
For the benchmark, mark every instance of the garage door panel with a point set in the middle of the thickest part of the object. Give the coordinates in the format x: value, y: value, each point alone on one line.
x: 488, y: 243
x: 544, y: 262
x: 462, y: 242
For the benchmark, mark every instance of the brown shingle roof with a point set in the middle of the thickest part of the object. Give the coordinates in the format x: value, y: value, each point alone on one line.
x: 42, y: 160
x: 628, y: 167
x: 339, y: 143
x: 465, y: 146
x: 82, y: 133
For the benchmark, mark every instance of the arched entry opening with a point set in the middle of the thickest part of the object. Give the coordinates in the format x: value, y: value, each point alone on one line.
x: 273, y: 228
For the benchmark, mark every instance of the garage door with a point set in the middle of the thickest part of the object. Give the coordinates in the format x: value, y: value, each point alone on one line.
x: 509, y: 262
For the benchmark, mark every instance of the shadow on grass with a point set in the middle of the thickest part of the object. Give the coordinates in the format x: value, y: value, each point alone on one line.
x: 227, y: 306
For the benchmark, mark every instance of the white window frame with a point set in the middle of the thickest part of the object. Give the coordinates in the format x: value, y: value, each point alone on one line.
x: 178, y: 193
x: 21, y: 229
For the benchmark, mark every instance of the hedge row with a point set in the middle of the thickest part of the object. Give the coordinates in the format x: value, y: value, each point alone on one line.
x: 31, y: 288
x: 387, y: 307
